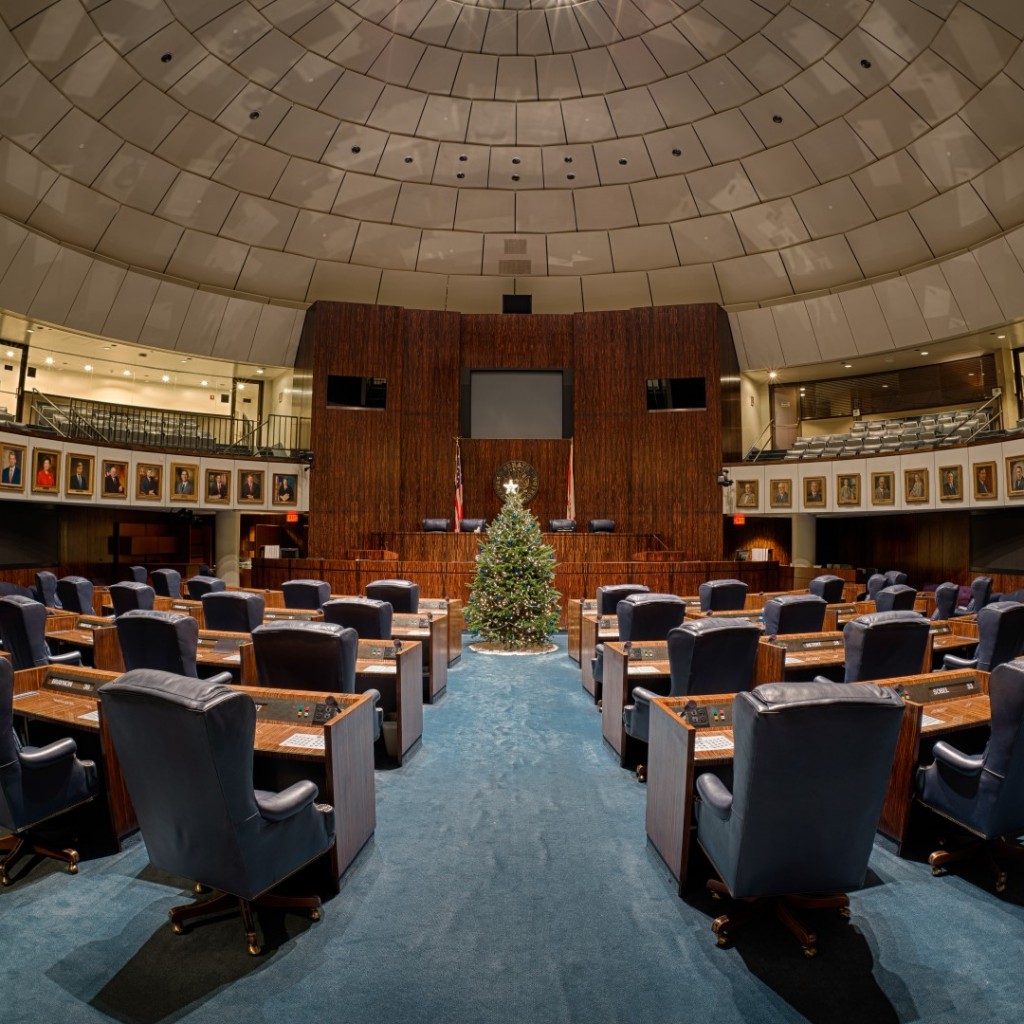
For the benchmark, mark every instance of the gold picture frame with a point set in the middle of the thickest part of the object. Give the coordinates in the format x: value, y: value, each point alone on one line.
x: 780, y: 493
x: 985, y: 480
x: 45, y: 471
x: 115, y: 480
x: 250, y: 486
x: 79, y: 479
x: 814, y: 492
x: 951, y: 483
x: 883, y: 488
x: 848, y: 489
x: 915, y: 486
x: 285, y: 489
x: 184, y: 484
x: 148, y: 481
x: 12, y: 476
x: 218, y: 486
x: 748, y: 493
x: 1015, y: 476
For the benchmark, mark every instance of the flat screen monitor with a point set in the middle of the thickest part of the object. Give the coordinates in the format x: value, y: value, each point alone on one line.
x: 356, y: 392
x: 516, y: 403
x: 997, y: 542
x: 669, y: 393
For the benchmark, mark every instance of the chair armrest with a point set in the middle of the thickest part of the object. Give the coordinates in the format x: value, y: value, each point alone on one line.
x: 221, y: 679
x: 641, y: 695
x: 715, y: 794
x: 965, y: 764
x: 953, y: 662
x: 823, y: 679
x: 44, y: 757
x: 279, y: 806
x: 70, y: 658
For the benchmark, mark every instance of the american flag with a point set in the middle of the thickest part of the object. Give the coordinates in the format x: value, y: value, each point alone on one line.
x: 458, y: 487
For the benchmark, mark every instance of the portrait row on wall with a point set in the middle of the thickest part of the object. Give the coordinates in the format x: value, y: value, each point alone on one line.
x: 48, y: 471
x: 881, y: 487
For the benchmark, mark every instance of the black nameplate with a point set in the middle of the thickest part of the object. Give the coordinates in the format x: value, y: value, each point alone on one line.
x: 71, y: 684
x: 942, y: 687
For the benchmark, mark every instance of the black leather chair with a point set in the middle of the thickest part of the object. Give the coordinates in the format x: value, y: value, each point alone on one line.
x: 896, y: 598
x: 794, y: 613
x: 436, y: 525
x: 370, y: 619
x: 138, y: 574
x: 601, y: 525
x: 828, y: 587
x: 561, y: 525
x: 23, y: 633
x: 75, y: 593
x: 704, y: 656
x: 876, y: 581
x: 945, y: 601
x: 196, y: 586
x: 1000, y: 638
x: 17, y: 590
x: 233, y: 611
x: 307, y: 594
x: 983, y: 792
x: 186, y: 751
x: 129, y: 596
x: 166, y: 582
x: 895, y: 578
x: 36, y: 785
x: 722, y: 595
x: 402, y: 595
x: 165, y: 641
x: 883, y: 645
x: 981, y: 595
x: 810, y: 774
x: 46, y: 589
x: 473, y: 525
x: 609, y: 595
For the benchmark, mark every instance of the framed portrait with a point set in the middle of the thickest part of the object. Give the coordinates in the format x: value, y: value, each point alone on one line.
x: 814, y: 492
x: 883, y: 488
x: 12, y: 476
x: 115, y: 475
x: 184, y: 481
x: 849, y: 489
x: 986, y: 484
x: 747, y: 495
x: 1015, y: 476
x: 218, y: 485
x: 250, y: 486
x: 45, y: 471
x: 915, y: 485
x: 285, y: 489
x: 951, y: 483
x: 79, y: 479
x: 780, y: 493
x: 147, y: 481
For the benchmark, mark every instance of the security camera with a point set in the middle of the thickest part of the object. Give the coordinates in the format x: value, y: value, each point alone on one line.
x: 723, y: 479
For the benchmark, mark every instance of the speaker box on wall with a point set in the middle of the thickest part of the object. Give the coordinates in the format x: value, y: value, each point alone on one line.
x: 517, y: 303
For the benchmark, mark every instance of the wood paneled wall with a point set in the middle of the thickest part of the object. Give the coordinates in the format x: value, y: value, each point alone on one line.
x: 383, y: 471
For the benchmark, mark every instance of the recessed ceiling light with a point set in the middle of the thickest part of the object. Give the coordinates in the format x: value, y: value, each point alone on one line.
x: 165, y: 379
x: 1001, y: 337
x: 241, y: 386
x: 204, y: 383
x: 260, y: 371
x: 10, y: 354
x: 924, y: 352
x: 49, y: 360
x: 848, y: 366
x: 88, y: 367
x: 772, y: 375
x: 126, y: 373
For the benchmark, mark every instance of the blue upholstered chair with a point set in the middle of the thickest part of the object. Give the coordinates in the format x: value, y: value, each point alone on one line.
x: 402, y: 595
x: 165, y: 641
x: 983, y: 792
x: 1000, y: 637
x: 138, y: 574
x: 981, y: 595
x: 473, y: 525
x: 561, y: 525
x: 23, y: 632
x: 811, y: 768
x: 166, y: 582
x: 197, y: 586
x: 185, y: 749
x: 722, y: 595
x: 75, y: 593
x: 945, y: 601
x: 794, y: 613
x: 896, y: 598
x: 130, y: 596
x: 876, y: 581
x: 307, y: 594
x: 609, y: 595
x: 233, y: 611
x: 895, y: 578
x: 46, y: 589
x: 884, y: 645
x: 36, y: 785
x: 436, y: 525
x: 370, y: 619
x: 828, y: 587
x: 601, y: 525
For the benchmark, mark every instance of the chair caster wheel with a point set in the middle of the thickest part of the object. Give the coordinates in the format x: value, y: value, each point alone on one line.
x: 72, y: 869
x: 723, y: 941
x: 810, y: 951
x: 1001, y: 883
x: 5, y: 880
x: 844, y: 912
x: 254, y: 950
x: 178, y: 929
x: 314, y: 915
x: 600, y: 705
x: 199, y: 889
x: 641, y: 773
x: 938, y: 872
x: 715, y: 896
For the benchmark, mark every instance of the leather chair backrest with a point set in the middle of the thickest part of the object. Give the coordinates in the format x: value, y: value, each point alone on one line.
x: 1000, y: 634
x: 472, y: 525
x: 23, y: 631
x: 128, y: 596
x: 895, y: 578
x: 17, y: 590
x: 75, y: 593
x: 46, y: 589
x: 981, y: 593
x: 712, y: 656
x: 945, y: 600
x: 609, y: 595
x: 196, y: 586
x: 369, y: 618
x: 166, y: 641
x: 601, y: 525
x: 1001, y: 786
x: 436, y: 525
x: 402, y: 595
x: 233, y: 611
x: 562, y: 525
x: 306, y: 656
x: 166, y: 582
x: 649, y: 616
x: 828, y: 587
x: 896, y: 598
x: 794, y: 613
x: 875, y: 583
x: 138, y: 573
x: 307, y: 594
x: 885, y: 644
x: 722, y: 595
x: 810, y: 775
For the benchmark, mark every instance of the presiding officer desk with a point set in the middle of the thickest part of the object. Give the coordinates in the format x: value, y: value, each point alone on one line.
x: 689, y: 735
x: 300, y: 734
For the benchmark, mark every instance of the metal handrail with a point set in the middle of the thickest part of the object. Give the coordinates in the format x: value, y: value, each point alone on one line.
x: 762, y: 442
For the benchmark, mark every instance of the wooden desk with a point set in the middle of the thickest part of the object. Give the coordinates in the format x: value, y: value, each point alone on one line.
x: 93, y: 635
x: 952, y: 635
x: 837, y: 615
x: 430, y: 629
x: 399, y: 678
x: 754, y: 615
x: 594, y: 629
x: 292, y: 615
x: 180, y: 604
x: 797, y: 651
x: 452, y: 607
x: 576, y: 609
x: 644, y: 664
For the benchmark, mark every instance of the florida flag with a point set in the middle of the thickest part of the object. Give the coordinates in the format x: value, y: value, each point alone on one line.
x: 458, y: 487
x: 570, y: 490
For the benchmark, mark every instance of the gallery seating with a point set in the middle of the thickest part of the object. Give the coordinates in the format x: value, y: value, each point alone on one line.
x: 794, y: 613
x: 1000, y: 638
x: 165, y: 641
x: 166, y: 582
x: 196, y: 586
x: 402, y: 595
x: 23, y: 633
x: 75, y: 593
x: 369, y: 618
x: 129, y: 596
x: 828, y: 587
x: 233, y: 611
x: 722, y: 595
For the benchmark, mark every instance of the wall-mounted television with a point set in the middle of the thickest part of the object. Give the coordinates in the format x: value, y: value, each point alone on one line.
x: 356, y: 392
x: 516, y: 403
x: 670, y: 393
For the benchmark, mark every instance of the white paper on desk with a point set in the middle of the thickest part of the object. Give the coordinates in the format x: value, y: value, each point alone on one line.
x: 90, y: 716
x: 379, y: 670
x: 417, y: 632
x: 927, y: 720
x: 712, y: 741
x: 27, y: 693
x: 235, y: 659
x: 645, y: 670
x: 303, y: 741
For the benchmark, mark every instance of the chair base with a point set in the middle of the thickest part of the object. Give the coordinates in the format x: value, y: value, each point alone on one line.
x: 986, y: 849
x: 783, y: 906
x: 16, y: 846
x: 220, y: 902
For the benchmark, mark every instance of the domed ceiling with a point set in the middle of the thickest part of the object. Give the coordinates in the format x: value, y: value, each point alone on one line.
x: 439, y: 153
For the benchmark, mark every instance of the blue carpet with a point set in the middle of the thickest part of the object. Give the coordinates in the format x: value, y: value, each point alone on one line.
x: 509, y: 880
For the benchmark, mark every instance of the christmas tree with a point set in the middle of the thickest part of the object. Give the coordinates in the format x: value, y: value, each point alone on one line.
x: 513, y: 602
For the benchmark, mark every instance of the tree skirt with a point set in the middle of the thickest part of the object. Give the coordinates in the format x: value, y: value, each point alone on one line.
x: 493, y: 647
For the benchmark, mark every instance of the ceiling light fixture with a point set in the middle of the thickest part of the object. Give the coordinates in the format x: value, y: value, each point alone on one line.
x: 166, y: 379
x: 126, y: 373
x: 924, y: 352
x: 88, y: 367
x: 772, y: 375
x: 10, y: 354
x: 49, y: 360
x: 849, y: 366
x: 204, y: 383
x: 261, y: 371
